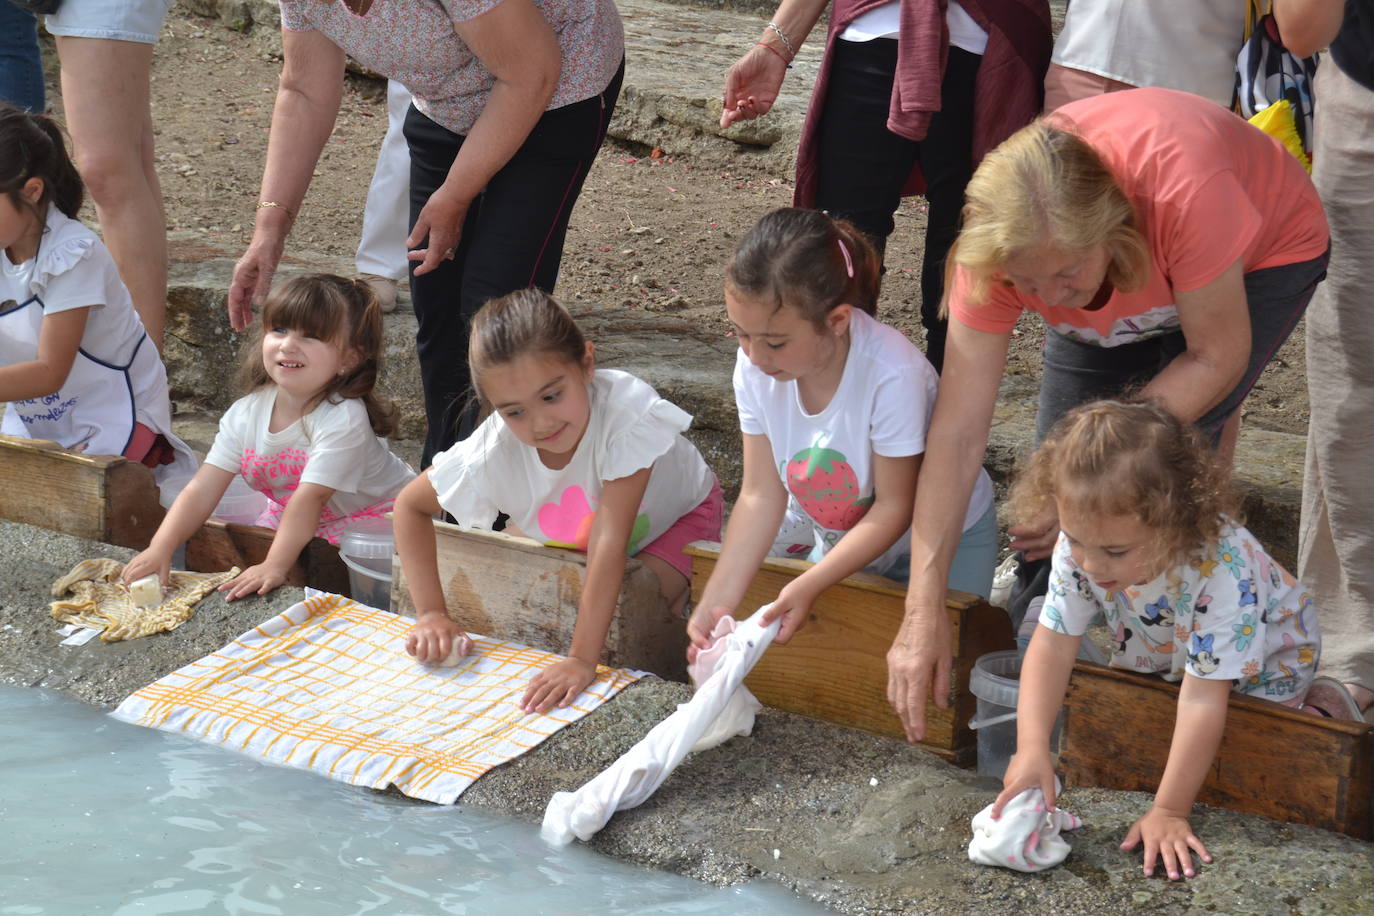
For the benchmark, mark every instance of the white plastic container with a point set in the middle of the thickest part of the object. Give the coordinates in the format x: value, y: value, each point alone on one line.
x: 366, y: 548
x: 996, y: 682
x: 241, y: 504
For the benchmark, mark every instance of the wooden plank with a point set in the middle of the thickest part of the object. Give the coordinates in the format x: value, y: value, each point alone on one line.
x: 518, y: 589
x: 98, y: 497
x: 1273, y: 760
x: 835, y: 668
x: 219, y: 545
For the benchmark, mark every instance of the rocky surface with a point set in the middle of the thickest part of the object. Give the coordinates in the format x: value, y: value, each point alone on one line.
x: 857, y: 823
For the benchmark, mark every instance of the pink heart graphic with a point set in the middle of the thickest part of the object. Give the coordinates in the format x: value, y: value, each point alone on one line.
x: 562, y: 520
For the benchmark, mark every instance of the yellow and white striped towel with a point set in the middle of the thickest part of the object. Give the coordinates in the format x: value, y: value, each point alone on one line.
x: 327, y: 686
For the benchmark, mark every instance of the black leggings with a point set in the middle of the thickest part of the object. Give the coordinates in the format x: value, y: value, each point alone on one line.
x: 863, y: 166
x: 512, y: 239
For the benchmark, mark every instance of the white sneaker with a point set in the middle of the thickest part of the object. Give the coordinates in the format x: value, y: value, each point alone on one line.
x: 384, y: 288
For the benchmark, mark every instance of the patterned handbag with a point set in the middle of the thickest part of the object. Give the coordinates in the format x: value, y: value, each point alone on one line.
x: 1273, y: 86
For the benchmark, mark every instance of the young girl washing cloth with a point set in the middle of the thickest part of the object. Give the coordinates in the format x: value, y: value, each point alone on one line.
x: 77, y: 367
x: 578, y: 457
x: 834, y: 407
x: 308, y: 434
x: 1147, y: 539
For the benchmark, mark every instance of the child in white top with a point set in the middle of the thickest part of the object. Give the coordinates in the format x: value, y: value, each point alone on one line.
x: 75, y: 364
x: 577, y: 457
x: 308, y: 435
x: 834, y: 407
x: 1148, y: 540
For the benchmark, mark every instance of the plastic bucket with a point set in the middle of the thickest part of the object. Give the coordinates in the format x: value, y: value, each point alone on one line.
x: 366, y: 549
x: 241, y: 504
x: 995, y: 682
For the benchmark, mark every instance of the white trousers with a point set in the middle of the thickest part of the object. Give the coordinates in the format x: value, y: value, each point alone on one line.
x: 386, y: 215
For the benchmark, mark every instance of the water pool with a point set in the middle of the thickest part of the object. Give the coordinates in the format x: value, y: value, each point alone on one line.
x: 104, y: 817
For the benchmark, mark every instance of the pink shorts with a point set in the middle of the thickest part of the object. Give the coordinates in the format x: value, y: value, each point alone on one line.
x: 701, y: 524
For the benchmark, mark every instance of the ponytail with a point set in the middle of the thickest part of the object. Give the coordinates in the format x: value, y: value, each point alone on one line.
x: 32, y: 146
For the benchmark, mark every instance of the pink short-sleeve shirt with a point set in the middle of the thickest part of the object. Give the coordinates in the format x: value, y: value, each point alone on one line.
x: 1210, y: 189
x: 413, y: 42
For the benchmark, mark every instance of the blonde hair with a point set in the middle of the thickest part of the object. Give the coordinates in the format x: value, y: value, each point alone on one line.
x: 1112, y: 458
x: 344, y: 312
x: 1046, y: 186
x: 525, y: 322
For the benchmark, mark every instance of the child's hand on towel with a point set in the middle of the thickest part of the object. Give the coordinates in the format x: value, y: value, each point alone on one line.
x: 1027, y: 770
x: 557, y: 685
x: 435, y: 638
x: 149, y: 562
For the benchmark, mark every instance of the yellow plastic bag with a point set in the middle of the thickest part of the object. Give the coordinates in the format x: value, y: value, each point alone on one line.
x: 1277, y: 121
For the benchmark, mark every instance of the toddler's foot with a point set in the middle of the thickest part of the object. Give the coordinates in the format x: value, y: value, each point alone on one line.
x: 1328, y: 697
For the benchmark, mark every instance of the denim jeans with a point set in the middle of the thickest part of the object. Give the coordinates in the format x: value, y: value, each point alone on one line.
x: 21, y: 67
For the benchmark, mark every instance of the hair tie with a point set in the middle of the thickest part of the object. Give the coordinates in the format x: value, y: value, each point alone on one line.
x: 848, y: 262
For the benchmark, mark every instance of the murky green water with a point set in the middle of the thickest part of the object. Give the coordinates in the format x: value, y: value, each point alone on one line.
x: 102, y: 817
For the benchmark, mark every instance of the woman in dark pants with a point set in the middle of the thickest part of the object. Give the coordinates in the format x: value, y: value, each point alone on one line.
x: 909, y: 97
x: 511, y: 102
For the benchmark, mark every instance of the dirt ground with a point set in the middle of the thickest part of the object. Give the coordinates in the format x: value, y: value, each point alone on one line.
x: 649, y: 232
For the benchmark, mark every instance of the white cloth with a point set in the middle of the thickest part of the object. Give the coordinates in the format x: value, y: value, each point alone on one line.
x: 333, y: 446
x: 1189, y: 45
x: 1026, y: 836
x: 643, y: 768
x: 117, y: 379
x: 737, y: 718
x: 631, y: 428
x: 386, y: 215
x: 881, y: 407
x: 885, y: 22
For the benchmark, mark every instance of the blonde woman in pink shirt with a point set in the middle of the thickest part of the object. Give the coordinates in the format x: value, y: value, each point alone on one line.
x: 1167, y: 244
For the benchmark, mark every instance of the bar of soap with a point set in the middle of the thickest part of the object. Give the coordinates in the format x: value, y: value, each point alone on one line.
x: 146, y: 592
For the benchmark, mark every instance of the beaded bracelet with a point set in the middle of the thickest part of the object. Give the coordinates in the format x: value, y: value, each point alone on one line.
x: 786, y: 42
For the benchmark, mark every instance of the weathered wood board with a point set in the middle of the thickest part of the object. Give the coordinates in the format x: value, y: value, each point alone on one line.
x: 99, y: 497
x: 1273, y: 760
x: 516, y: 588
x: 219, y: 545
x: 835, y: 667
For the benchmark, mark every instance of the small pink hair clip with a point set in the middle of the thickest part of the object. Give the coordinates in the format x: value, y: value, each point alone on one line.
x: 848, y: 261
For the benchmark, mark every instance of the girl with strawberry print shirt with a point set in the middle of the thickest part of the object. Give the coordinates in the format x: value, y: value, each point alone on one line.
x: 308, y: 435
x: 834, y: 407
x: 1148, y: 540
x: 579, y: 457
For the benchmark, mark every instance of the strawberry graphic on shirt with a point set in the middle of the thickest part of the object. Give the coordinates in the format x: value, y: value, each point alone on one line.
x: 826, y: 487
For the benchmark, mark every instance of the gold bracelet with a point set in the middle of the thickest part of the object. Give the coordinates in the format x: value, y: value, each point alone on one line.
x: 263, y: 204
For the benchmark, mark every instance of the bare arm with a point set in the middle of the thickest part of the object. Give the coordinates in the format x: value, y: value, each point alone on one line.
x: 1197, y: 735
x: 920, y: 658
x: 193, y: 506
x: 299, y: 520
x: 307, y: 103
x: 515, y: 42
x: 1216, y: 329
x: 1044, y: 678
x: 606, y: 552
x: 894, y: 487
x: 753, y: 526
x: 1307, y: 26
x: 412, y: 521
x: 752, y: 85
x: 59, y: 337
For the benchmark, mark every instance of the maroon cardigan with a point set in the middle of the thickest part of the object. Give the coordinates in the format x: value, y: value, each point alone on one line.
x: 1008, y: 91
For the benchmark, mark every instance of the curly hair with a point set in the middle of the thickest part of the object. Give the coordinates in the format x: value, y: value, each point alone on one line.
x: 342, y: 311
x: 1133, y: 458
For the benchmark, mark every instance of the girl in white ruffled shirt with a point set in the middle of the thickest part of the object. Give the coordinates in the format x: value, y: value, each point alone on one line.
x: 580, y: 457
x: 75, y: 364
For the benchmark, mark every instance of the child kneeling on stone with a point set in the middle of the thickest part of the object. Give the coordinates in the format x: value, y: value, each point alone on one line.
x: 1149, y: 540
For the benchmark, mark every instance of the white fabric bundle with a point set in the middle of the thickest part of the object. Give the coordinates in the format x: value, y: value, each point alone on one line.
x: 720, y: 709
x: 1026, y: 836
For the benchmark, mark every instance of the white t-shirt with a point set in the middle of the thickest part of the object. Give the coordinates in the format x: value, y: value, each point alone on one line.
x: 631, y: 428
x: 1236, y: 615
x: 881, y: 407
x: 885, y: 22
x: 333, y: 446
x: 117, y: 378
x: 1190, y: 45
